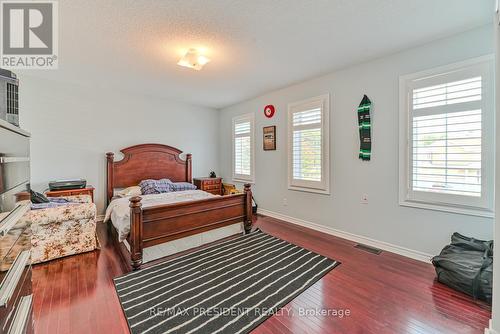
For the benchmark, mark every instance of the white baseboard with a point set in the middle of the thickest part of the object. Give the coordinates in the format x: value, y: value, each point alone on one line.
x: 413, y: 254
x: 490, y: 330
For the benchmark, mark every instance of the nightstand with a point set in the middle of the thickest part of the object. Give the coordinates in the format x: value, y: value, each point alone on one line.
x: 89, y: 190
x: 211, y: 185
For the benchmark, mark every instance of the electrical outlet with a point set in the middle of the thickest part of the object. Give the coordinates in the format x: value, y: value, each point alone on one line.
x: 364, y: 199
x: 285, y: 202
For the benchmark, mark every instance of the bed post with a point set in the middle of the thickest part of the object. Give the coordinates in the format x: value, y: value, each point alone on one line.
x: 136, y: 232
x: 189, y: 175
x: 110, y: 156
x: 248, y: 208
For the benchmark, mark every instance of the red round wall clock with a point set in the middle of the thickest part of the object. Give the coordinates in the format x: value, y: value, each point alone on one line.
x: 269, y: 111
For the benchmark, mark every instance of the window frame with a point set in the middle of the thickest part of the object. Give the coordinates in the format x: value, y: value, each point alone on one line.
x: 462, y: 204
x: 250, y: 117
x: 322, y: 187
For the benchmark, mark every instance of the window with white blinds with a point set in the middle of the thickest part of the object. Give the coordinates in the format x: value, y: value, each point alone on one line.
x: 308, y: 145
x: 243, y: 148
x: 448, y: 122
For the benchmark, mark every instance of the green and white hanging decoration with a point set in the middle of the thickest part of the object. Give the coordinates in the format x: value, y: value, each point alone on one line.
x: 365, y: 129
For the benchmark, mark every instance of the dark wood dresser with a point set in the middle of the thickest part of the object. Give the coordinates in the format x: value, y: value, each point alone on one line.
x: 15, y: 233
x: 211, y: 185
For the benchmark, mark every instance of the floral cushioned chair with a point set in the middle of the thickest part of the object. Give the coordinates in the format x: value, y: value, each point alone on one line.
x: 63, y: 230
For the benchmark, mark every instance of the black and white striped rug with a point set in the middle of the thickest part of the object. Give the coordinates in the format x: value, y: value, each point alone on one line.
x: 230, y: 287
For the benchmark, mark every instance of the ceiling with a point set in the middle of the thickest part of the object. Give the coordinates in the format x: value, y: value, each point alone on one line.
x: 256, y: 46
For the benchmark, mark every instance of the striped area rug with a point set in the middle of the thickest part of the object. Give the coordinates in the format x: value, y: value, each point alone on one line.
x: 230, y: 287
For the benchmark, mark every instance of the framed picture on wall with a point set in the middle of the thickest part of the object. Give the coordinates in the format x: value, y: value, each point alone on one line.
x: 269, y: 138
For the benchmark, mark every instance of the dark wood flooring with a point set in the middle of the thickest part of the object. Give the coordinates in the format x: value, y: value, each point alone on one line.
x: 384, y: 293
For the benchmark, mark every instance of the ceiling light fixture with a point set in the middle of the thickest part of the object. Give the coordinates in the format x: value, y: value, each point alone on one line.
x: 193, y: 59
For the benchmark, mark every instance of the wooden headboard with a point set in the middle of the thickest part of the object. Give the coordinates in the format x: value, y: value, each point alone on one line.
x: 146, y: 161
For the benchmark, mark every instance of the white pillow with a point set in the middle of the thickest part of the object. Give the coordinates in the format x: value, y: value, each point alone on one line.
x: 130, y: 191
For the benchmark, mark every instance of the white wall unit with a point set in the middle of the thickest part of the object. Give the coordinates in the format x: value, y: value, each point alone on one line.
x: 352, y: 180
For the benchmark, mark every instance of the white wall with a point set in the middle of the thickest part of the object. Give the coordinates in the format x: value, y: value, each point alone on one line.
x: 496, y: 265
x: 74, y: 126
x: 382, y: 219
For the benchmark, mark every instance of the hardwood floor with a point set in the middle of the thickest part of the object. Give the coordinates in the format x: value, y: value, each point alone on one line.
x: 384, y: 293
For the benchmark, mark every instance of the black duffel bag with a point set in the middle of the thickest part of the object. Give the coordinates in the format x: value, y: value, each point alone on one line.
x: 466, y: 265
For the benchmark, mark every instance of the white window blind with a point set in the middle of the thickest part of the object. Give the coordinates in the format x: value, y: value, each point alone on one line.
x: 308, y: 141
x: 307, y: 145
x: 449, y: 139
x: 243, y: 147
x: 449, y: 93
x: 447, y: 153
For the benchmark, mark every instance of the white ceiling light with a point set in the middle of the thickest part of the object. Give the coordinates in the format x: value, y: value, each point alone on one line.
x: 193, y: 59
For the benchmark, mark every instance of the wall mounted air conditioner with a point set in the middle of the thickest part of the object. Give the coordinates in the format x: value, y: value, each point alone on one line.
x: 9, y: 97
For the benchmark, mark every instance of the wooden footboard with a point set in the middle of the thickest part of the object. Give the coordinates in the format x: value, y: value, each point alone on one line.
x: 155, y: 225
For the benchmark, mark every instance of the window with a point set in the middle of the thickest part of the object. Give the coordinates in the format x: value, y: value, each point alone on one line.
x: 446, y: 138
x: 243, y: 148
x: 308, y: 145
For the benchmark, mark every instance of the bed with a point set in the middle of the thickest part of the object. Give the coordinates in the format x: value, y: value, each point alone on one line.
x: 158, y: 224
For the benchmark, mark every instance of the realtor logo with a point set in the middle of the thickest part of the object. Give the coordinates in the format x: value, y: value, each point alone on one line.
x: 29, y: 35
